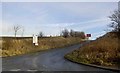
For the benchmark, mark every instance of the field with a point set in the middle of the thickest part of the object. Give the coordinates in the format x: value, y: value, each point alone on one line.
x: 105, y: 51
x: 15, y: 46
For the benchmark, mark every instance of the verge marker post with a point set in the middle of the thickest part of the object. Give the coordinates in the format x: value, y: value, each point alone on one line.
x: 33, y: 40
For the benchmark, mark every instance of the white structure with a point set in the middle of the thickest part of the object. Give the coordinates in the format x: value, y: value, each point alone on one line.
x: 35, y: 40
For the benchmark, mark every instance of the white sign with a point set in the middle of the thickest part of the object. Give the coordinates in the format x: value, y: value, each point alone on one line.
x: 35, y: 40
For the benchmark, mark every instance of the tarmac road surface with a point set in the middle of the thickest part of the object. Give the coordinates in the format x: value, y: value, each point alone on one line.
x: 49, y: 60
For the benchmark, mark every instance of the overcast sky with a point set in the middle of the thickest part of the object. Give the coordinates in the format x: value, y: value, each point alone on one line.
x: 51, y: 17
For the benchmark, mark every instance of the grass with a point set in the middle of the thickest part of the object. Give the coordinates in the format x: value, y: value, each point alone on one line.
x: 104, y: 51
x: 16, y: 46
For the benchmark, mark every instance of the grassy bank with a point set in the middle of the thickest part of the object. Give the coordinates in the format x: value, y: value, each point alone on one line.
x: 12, y: 46
x: 104, y: 51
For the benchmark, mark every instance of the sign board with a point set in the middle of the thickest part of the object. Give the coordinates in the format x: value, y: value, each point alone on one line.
x: 35, y: 40
x: 88, y: 35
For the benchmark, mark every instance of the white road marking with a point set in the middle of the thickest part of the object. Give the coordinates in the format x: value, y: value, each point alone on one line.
x: 15, y: 69
x: 32, y: 70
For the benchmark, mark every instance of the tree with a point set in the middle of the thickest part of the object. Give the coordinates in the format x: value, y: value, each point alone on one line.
x: 16, y: 28
x: 79, y: 34
x: 115, y: 18
x: 40, y: 34
x: 82, y: 35
x: 72, y: 33
x: 65, y: 33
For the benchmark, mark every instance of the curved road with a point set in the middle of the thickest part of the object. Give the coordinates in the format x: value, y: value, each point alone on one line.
x: 49, y: 60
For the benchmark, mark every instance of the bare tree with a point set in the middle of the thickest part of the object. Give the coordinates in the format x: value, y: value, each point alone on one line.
x: 77, y: 34
x: 65, y: 33
x: 72, y: 33
x: 40, y: 34
x: 16, y: 28
x: 115, y: 18
x: 81, y: 35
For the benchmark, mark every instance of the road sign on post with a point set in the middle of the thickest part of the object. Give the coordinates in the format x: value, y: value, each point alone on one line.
x: 35, y: 40
x: 87, y: 36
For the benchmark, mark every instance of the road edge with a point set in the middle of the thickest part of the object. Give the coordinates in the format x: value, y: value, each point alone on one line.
x: 96, y: 66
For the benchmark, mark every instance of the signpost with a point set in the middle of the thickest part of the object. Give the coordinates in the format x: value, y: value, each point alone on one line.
x: 35, y: 40
x: 87, y: 36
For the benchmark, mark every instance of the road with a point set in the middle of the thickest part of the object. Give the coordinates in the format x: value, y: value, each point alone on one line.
x: 49, y: 60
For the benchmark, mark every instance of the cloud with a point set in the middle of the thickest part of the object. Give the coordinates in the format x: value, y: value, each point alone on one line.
x: 94, y: 23
x: 84, y: 10
x: 97, y: 35
x: 83, y: 25
x: 88, y: 26
x: 5, y: 27
x: 52, y: 17
x: 48, y: 13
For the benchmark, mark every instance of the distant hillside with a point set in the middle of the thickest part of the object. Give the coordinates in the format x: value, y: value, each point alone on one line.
x: 104, y: 51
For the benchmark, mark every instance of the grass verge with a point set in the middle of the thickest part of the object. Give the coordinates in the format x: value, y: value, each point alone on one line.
x: 18, y: 46
x: 104, y: 51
